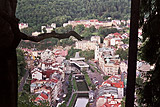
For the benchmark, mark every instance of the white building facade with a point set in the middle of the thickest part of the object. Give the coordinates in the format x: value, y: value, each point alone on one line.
x: 47, y: 54
x: 36, y: 74
x: 85, y: 45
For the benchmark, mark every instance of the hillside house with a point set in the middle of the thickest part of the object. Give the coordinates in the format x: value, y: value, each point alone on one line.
x: 36, y: 74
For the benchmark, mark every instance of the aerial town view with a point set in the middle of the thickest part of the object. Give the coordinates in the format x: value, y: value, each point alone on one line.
x: 86, y: 63
x: 57, y: 77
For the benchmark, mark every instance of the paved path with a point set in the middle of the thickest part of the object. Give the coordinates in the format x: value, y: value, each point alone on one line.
x: 70, y: 99
x: 95, y: 97
x: 95, y: 74
x: 98, y: 77
x: 23, y: 80
x: 81, y: 92
x: 64, y: 85
x: 96, y: 65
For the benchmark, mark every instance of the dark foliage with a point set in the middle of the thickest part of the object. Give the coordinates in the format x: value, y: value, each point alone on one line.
x: 40, y: 12
x: 123, y: 54
x: 149, y: 94
x: 21, y: 64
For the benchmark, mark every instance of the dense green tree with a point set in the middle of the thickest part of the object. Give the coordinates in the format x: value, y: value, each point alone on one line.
x: 44, y: 30
x: 125, y: 41
x: 63, y: 105
x: 66, y: 42
x: 105, y: 31
x: 26, y: 87
x: 28, y: 30
x: 79, y: 28
x: 38, y: 13
x: 21, y: 64
x: 68, y: 28
x: 106, y: 77
x: 149, y: 94
x: 87, y: 54
x: 25, y: 100
x: 60, y: 30
x: 92, y: 29
x: 139, y: 81
x: 123, y: 54
x: 72, y: 52
x: 87, y: 34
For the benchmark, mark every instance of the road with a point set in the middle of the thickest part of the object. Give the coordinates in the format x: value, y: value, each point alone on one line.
x: 98, y: 77
x: 65, y: 86
x: 23, y: 80
x: 81, y: 92
x: 95, y: 74
x: 96, y: 65
x: 30, y: 64
x: 95, y: 97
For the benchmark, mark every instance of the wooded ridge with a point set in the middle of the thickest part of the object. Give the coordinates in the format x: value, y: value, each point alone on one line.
x: 42, y: 12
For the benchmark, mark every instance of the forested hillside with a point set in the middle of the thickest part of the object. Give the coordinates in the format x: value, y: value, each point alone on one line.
x: 42, y: 12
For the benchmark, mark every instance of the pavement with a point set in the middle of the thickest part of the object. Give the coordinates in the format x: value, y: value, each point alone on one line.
x: 65, y: 86
x: 23, y: 80
x: 30, y: 65
x: 98, y: 77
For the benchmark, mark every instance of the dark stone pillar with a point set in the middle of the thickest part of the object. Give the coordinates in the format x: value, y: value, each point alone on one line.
x: 8, y: 78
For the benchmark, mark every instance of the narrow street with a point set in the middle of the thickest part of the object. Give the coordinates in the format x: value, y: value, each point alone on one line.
x: 23, y: 80
x: 65, y: 86
x: 99, y: 78
x: 95, y: 74
x: 30, y: 65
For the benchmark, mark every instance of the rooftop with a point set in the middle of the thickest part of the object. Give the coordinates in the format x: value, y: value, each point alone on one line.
x: 114, y: 81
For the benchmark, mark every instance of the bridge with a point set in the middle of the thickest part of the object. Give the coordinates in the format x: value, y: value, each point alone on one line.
x: 80, y: 92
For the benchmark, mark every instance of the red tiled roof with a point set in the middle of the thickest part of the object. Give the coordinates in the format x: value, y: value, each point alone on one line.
x: 118, y: 83
x: 53, y: 80
x: 94, y: 20
x: 48, y: 63
x: 49, y: 72
x: 55, y: 66
x: 77, y: 21
x: 118, y: 34
x: 36, y: 80
x: 61, y: 52
x: 33, y: 80
x: 36, y: 70
x: 37, y: 99
x: 44, y: 96
x: 111, y: 105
